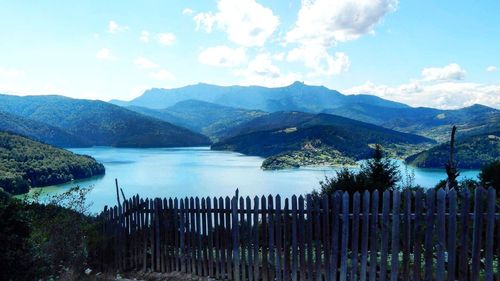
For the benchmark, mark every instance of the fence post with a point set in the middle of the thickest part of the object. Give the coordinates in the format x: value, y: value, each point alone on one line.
x: 235, y: 238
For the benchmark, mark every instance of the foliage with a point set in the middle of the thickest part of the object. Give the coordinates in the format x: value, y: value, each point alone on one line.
x: 45, y: 241
x: 490, y: 176
x: 210, y: 119
x: 471, y: 153
x: 25, y: 163
x: 378, y: 173
x: 291, y: 131
x: 312, y: 156
x: 15, y: 229
x: 429, y: 122
x: 39, y: 131
x: 100, y: 123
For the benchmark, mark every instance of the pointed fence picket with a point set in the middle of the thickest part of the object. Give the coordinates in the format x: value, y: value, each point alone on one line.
x: 409, y: 235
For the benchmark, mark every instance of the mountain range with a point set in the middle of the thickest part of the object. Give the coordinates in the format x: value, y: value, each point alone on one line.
x: 297, y: 121
x: 295, y: 97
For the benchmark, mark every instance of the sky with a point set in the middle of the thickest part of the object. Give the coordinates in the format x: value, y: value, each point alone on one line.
x: 443, y: 54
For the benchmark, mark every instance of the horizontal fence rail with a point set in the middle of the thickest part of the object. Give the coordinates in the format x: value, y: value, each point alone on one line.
x: 409, y: 235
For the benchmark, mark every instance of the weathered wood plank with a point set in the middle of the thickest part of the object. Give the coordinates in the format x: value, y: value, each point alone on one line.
x: 385, y: 234
x: 309, y: 235
x: 417, y: 230
x: 271, y: 225
x: 244, y: 243
x: 325, y: 206
x: 317, y: 237
x: 429, y: 232
x: 294, y: 265
x: 278, y: 220
x: 365, y: 233
x: 345, y: 236
x: 228, y: 240
x: 452, y: 234
x: 302, y: 239
x: 407, y: 238
x: 286, y: 240
x: 463, y: 263
x: 211, y: 215
x: 199, y: 250
x: 265, y: 243
x: 250, y: 239
x: 335, y: 231
x: 490, y: 231
x: 396, y: 202
x: 217, y: 229
x: 255, y: 235
x: 476, y: 233
x: 441, y: 234
x: 182, y: 236
x: 355, y: 236
x: 373, y: 236
x: 235, y: 239
x: 206, y: 215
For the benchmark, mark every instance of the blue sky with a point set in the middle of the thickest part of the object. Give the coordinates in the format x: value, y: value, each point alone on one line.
x: 425, y: 53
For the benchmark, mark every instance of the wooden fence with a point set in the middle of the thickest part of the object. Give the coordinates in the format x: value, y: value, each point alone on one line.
x: 409, y: 235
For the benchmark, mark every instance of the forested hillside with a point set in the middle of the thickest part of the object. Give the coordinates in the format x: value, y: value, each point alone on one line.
x: 429, y: 122
x: 39, y: 131
x: 203, y: 117
x: 101, y: 123
x: 324, y: 136
x: 470, y: 153
x: 26, y: 163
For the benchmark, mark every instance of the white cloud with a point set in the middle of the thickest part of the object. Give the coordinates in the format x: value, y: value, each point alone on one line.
x: 445, y: 95
x: 326, y: 22
x: 317, y: 58
x: 451, y: 71
x: 262, y: 71
x: 166, y: 38
x: 104, y: 54
x: 187, y: 11
x: 162, y: 75
x: 10, y: 73
x: 114, y: 27
x: 223, y: 56
x: 491, y: 68
x: 144, y: 36
x: 279, y: 56
x: 321, y: 24
x: 145, y: 63
x: 246, y: 22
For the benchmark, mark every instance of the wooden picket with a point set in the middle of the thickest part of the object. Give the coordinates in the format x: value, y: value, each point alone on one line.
x: 409, y: 235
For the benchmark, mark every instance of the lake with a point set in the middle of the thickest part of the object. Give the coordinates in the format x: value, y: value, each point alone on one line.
x: 181, y: 172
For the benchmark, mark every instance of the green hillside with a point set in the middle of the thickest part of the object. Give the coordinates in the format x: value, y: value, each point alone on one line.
x: 323, y: 135
x: 429, y: 122
x: 101, y: 123
x: 203, y: 117
x: 471, y: 153
x: 25, y: 163
x: 39, y: 131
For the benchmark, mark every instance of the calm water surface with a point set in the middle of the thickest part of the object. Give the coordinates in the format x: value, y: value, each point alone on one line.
x: 181, y: 172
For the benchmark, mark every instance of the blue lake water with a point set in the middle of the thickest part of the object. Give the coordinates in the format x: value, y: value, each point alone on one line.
x: 181, y: 172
